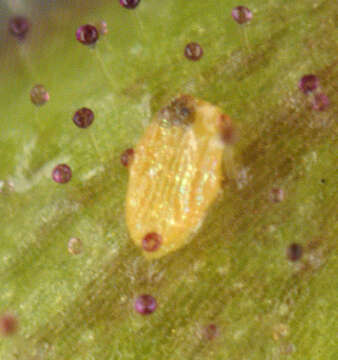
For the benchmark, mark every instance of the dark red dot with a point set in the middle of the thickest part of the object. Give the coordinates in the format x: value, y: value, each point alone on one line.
x: 8, y: 324
x: 308, y: 83
x: 211, y: 332
x: 320, y: 102
x: 145, y: 304
x: 62, y: 173
x: 87, y: 34
x: 151, y: 242
x: 83, y: 117
x: 193, y: 51
x: 130, y: 4
x: 127, y: 157
x: 294, y: 252
x: 19, y: 26
x: 241, y: 14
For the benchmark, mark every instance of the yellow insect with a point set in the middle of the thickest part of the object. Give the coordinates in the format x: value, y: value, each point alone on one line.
x: 176, y: 173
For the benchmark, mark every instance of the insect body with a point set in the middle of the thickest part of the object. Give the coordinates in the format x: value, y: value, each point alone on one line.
x: 175, y: 175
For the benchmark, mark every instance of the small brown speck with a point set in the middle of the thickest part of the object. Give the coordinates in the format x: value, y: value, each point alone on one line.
x: 151, y: 242
x: 294, y: 252
x: 8, y: 324
x: 39, y: 95
x: 277, y: 195
x: 211, y: 332
x: 228, y: 132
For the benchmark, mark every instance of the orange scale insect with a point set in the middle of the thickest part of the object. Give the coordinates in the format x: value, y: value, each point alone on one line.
x: 176, y: 174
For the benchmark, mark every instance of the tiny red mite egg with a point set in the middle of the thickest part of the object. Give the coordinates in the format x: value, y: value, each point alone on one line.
x: 87, y: 34
x: 127, y: 157
x: 241, y: 14
x: 193, y: 51
x: 130, y: 4
x: 18, y: 27
x: 151, y: 242
x: 62, y: 173
x: 83, y: 117
x: 308, y: 83
x: 145, y: 304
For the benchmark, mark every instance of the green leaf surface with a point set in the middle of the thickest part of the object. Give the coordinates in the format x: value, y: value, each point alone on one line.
x: 235, y: 272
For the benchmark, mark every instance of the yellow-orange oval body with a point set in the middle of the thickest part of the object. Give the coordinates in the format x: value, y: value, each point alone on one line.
x: 176, y: 174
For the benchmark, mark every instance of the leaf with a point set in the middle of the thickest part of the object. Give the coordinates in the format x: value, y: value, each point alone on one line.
x: 235, y: 273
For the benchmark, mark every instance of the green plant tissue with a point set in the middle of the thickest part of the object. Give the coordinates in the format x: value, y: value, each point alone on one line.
x: 239, y: 290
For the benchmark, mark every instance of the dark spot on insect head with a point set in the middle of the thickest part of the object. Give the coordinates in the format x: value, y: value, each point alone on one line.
x: 180, y: 112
